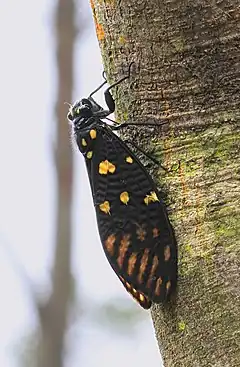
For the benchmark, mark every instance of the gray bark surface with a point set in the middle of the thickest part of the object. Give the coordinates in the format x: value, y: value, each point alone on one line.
x: 187, y: 73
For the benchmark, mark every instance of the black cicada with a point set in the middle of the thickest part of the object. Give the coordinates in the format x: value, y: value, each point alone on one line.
x: 134, y: 228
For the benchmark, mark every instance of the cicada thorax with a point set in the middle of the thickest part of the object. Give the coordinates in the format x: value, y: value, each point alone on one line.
x: 86, y: 139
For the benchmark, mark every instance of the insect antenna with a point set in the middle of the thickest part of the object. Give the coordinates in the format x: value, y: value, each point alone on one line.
x: 100, y: 86
x: 108, y: 97
x: 150, y: 123
x: 107, y: 118
x: 120, y: 80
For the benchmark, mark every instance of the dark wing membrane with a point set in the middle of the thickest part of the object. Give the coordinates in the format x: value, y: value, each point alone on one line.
x: 136, y: 234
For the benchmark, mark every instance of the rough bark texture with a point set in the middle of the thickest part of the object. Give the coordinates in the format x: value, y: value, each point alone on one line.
x: 186, y: 55
x: 54, y: 314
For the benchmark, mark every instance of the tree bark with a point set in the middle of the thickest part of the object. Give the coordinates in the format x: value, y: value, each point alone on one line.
x: 54, y: 314
x: 186, y: 56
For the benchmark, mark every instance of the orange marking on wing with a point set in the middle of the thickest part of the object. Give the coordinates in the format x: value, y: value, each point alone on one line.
x: 109, y: 244
x: 168, y: 286
x: 141, y: 234
x: 142, y: 297
x: 126, y: 284
x: 139, y: 297
x: 155, y: 232
x: 124, y: 244
x: 152, y: 272
x: 167, y: 253
x: 158, y: 286
x: 131, y: 263
x: 143, y: 265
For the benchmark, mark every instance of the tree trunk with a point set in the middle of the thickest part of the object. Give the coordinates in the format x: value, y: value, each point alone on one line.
x: 54, y: 314
x: 186, y: 55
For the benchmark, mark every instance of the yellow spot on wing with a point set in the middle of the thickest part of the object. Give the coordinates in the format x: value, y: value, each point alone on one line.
x: 139, y: 297
x: 93, y: 134
x: 154, y: 196
x: 109, y: 244
x: 124, y: 197
x: 143, y: 265
x: 151, y: 198
x: 167, y: 253
x: 105, y: 207
x: 131, y: 263
x: 89, y: 154
x: 84, y: 143
x: 123, y: 247
x: 111, y: 167
x: 105, y: 167
x: 129, y: 160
